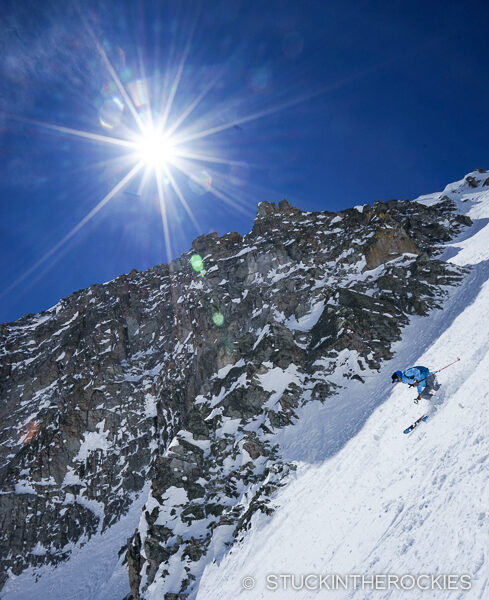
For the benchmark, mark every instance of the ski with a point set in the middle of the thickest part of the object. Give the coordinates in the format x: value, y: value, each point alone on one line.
x: 415, y: 424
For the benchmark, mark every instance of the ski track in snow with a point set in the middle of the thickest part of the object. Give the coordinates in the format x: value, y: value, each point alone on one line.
x: 368, y: 499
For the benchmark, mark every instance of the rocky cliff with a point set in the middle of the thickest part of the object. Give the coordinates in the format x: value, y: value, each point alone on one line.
x: 180, y: 378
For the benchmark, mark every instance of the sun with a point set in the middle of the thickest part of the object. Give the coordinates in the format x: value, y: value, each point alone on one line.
x: 162, y: 147
x: 155, y: 149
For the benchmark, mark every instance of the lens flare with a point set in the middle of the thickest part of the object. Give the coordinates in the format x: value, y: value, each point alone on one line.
x: 29, y: 432
x: 200, y: 182
x: 111, y: 113
x: 218, y: 319
x: 292, y: 45
x: 138, y: 91
x: 228, y: 344
x: 197, y: 263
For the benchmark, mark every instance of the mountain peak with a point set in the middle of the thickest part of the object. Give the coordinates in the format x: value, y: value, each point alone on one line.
x: 284, y: 207
x: 176, y: 389
x: 464, y: 190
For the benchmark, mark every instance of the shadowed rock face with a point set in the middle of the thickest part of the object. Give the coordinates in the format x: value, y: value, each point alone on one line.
x: 137, y: 381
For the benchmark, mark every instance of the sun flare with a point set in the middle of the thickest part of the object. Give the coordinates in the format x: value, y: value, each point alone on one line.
x: 165, y: 151
x: 155, y: 149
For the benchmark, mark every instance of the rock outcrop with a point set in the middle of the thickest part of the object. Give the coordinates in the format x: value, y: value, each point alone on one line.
x: 182, y: 381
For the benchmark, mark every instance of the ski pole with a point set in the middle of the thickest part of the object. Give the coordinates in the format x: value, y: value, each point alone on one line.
x: 446, y: 367
x: 434, y: 373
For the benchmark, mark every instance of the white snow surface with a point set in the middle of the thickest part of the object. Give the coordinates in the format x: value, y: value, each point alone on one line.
x: 307, y: 322
x: 93, y: 440
x: 367, y: 499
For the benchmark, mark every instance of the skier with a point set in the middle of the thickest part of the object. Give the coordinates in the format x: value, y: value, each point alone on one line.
x: 419, y: 377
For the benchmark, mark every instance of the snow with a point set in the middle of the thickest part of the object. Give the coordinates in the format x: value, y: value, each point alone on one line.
x: 93, y: 440
x: 97, y: 508
x: 34, y: 322
x: 67, y: 324
x: 471, y: 253
x: 240, y: 253
x: 307, y: 322
x: 367, y: 499
x: 277, y: 380
x: 93, y: 571
x: 263, y: 332
x: 38, y: 550
x: 22, y: 487
x: 221, y: 374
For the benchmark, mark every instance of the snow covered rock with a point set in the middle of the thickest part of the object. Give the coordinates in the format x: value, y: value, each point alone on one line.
x: 182, y: 385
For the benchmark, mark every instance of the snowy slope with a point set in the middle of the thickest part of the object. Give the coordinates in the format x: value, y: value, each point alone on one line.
x: 362, y: 492
x: 366, y: 498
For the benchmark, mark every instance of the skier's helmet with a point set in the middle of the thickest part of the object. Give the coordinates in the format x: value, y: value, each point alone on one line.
x: 396, y: 376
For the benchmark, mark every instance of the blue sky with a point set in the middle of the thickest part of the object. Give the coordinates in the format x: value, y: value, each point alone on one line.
x: 354, y: 102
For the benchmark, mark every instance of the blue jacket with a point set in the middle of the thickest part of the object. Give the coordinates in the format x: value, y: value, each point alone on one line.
x: 413, y: 374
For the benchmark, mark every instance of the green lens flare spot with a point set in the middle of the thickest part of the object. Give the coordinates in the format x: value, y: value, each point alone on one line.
x: 218, y: 319
x: 197, y: 263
